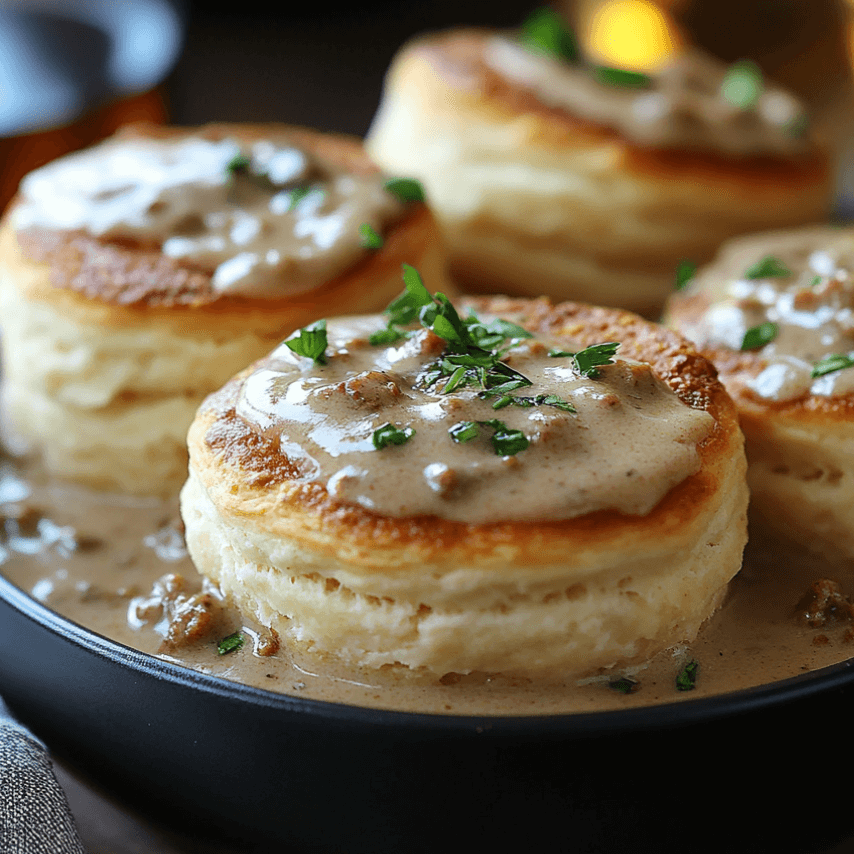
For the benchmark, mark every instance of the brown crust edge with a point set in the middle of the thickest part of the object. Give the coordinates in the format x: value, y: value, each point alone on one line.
x: 455, y: 56
x: 736, y: 367
x: 220, y: 437
x: 139, y: 278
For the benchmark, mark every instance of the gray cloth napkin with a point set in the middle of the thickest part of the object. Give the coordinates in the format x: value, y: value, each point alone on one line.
x: 34, y: 813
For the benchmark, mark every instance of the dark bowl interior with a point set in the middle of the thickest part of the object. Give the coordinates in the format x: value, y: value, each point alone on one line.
x: 749, y: 771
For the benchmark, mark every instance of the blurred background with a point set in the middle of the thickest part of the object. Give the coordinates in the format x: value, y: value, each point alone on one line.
x: 72, y: 71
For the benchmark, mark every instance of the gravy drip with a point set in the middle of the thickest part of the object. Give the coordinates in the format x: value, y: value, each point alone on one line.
x: 682, y: 108
x: 812, y: 306
x: 628, y: 442
x: 267, y: 219
x: 100, y: 560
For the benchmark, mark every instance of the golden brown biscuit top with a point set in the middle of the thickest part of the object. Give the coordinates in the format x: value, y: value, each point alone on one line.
x: 784, y: 302
x: 259, y: 213
x: 424, y: 426
x: 678, y: 108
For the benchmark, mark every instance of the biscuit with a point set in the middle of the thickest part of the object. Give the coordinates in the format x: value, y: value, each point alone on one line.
x: 608, y: 534
x: 786, y: 298
x: 596, y: 198
x: 138, y: 276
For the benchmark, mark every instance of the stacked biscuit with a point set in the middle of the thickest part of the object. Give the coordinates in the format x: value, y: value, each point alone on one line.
x: 140, y: 275
x: 775, y: 312
x: 493, y: 484
x: 553, y: 175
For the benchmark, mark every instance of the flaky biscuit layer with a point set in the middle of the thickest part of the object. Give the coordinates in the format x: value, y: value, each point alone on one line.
x: 547, y: 599
x: 800, y: 452
x: 534, y: 201
x: 120, y: 344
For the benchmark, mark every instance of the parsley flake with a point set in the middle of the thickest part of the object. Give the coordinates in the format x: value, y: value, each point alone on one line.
x: 300, y: 193
x: 388, y: 434
x: 621, y: 77
x: 405, y: 189
x: 389, y: 335
x: 465, y: 431
x: 310, y: 342
x: 474, y: 349
x: 369, y: 237
x: 624, y: 685
x: 687, y: 676
x: 545, y: 31
x: 230, y: 644
x: 505, y: 441
x: 589, y: 359
x: 759, y: 336
x: 685, y: 271
x: 769, y: 267
x: 238, y: 163
x: 742, y: 84
x: 831, y: 364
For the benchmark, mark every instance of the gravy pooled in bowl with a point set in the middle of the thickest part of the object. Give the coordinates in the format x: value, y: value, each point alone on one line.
x: 118, y: 566
x: 270, y: 440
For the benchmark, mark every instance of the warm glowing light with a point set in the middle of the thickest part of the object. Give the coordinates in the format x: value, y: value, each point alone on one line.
x: 633, y: 34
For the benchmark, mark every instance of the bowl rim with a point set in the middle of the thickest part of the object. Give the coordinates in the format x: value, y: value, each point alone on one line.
x: 678, y: 713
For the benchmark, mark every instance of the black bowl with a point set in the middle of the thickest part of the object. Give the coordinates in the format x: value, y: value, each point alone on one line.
x: 756, y: 770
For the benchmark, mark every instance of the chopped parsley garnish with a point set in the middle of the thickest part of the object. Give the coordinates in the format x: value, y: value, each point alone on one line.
x: 759, y: 336
x: 592, y: 357
x: 390, y: 335
x: 474, y: 349
x: 388, y: 434
x: 684, y: 273
x: 742, y: 84
x: 311, y: 342
x: 545, y: 31
x: 831, y: 364
x: 465, y: 431
x: 300, y: 193
x: 473, y: 352
x: 620, y: 77
x: 816, y: 280
x: 687, y: 677
x: 370, y: 238
x: 505, y: 441
x: 405, y: 189
x: 238, y: 163
x: 624, y: 685
x: 527, y: 402
x: 230, y: 644
x: 769, y: 267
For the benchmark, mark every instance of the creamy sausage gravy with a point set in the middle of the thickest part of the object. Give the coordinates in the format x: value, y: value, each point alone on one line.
x: 801, y: 282
x: 267, y: 218
x: 118, y: 566
x: 330, y: 412
x: 681, y: 108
